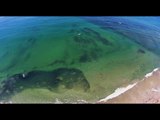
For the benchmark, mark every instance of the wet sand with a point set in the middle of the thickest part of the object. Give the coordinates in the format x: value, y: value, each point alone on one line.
x: 145, y: 91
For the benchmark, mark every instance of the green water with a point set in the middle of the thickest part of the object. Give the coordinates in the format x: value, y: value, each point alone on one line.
x: 74, y: 44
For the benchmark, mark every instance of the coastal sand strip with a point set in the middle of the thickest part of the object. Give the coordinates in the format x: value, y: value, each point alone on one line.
x: 145, y: 91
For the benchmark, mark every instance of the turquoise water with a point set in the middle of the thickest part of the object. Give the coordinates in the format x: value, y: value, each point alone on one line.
x: 45, y: 59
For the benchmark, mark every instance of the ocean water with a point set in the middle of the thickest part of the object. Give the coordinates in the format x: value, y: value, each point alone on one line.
x: 74, y: 59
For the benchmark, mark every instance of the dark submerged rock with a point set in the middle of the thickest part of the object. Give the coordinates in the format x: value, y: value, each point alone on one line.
x: 57, y: 62
x: 88, y: 36
x: 69, y: 77
x: 141, y: 51
x: 84, y: 58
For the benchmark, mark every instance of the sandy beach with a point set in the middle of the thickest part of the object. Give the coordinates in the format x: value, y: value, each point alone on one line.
x: 145, y: 91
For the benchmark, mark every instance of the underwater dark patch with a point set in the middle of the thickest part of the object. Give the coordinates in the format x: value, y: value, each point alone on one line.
x: 125, y: 28
x: 97, y: 35
x: 57, y: 62
x: 69, y: 77
x: 88, y: 36
x: 84, y: 58
x: 72, y: 62
x: 90, y: 31
x: 89, y: 56
x: 94, y: 54
x: 31, y: 40
x: 141, y: 51
x: 81, y: 40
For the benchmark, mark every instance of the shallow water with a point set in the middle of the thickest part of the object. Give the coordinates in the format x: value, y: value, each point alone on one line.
x: 104, y: 57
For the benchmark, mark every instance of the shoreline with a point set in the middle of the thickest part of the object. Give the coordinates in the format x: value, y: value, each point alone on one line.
x: 118, y: 92
x: 146, y: 90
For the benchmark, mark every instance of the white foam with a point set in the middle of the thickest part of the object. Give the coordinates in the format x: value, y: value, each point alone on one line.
x: 58, y: 101
x: 82, y: 101
x: 148, y: 74
x: 117, y: 92
x: 151, y: 73
x: 23, y: 75
x: 3, y: 102
x: 10, y: 102
x: 156, y: 69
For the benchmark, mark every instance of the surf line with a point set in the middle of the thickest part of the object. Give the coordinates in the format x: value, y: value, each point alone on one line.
x: 118, y: 92
x: 121, y: 90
